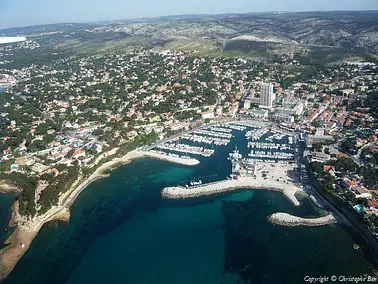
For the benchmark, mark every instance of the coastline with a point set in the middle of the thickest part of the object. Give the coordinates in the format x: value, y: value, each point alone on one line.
x: 99, y: 173
x: 289, y: 220
x: 179, y: 192
x: 19, y: 241
x: 27, y: 228
x: 7, y: 188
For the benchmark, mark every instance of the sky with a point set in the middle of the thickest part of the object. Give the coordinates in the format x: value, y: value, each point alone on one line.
x: 16, y: 13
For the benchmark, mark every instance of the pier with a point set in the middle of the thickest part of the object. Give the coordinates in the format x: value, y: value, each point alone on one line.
x: 179, y: 192
x: 206, y: 140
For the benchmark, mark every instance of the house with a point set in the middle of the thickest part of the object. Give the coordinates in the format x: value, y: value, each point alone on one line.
x: 14, y: 168
x: 361, y: 192
x: 207, y: 115
x: 373, y: 204
x: 79, y: 153
x: 341, y: 155
x: 131, y: 134
x: 357, y: 189
x: 329, y: 169
x: 219, y: 110
x: 7, y: 151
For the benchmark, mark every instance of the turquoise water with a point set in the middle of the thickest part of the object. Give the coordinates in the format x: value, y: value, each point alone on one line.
x: 122, y: 231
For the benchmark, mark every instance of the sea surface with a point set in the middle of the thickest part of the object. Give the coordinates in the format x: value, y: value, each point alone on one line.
x: 122, y: 231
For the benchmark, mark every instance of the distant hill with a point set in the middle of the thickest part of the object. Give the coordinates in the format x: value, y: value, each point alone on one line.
x: 347, y: 29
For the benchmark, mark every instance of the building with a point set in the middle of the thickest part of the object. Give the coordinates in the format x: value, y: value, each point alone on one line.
x: 283, y: 117
x: 266, y: 96
x: 373, y: 205
x: 207, y: 115
x: 359, y: 191
x: 247, y: 104
x: 312, y: 139
x: 258, y: 113
x: 296, y: 109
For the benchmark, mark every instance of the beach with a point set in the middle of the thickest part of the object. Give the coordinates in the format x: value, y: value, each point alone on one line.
x: 6, y: 188
x: 28, y: 228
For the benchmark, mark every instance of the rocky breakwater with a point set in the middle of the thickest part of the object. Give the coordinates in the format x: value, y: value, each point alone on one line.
x: 285, y: 219
x: 179, y: 192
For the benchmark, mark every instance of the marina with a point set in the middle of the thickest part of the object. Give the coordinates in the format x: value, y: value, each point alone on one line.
x: 206, y: 140
x: 256, y: 134
x: 277, y: 146
x: 184, y: 148
x: 213, y: 133
x: 271, y: 155
x: 220, y: 129
x: 263, y: 145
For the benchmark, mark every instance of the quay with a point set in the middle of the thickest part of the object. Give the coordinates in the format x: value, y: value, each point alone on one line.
x: 178, y: 192
x: 285, y: 219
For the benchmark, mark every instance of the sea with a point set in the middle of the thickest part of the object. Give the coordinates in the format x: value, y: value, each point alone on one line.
x: 122, y: 231
x: 2, y: 90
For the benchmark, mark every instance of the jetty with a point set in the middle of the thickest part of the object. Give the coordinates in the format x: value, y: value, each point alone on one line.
x: 178, y: 192
x: 285, y: 219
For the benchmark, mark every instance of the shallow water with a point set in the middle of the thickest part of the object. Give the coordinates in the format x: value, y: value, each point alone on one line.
x: 122, y: 231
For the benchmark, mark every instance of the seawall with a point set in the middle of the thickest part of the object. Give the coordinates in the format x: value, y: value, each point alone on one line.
x: 179, y: 192
x: 293, y: 221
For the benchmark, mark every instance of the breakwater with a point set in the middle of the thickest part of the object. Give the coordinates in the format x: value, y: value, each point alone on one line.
x: 288, y: 189
x: 293, y: 221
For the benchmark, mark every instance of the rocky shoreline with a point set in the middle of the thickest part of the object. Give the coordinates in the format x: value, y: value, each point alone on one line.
x: 6, y: 188
x: 179, y: 192
x: 285, y: 219
x: 27, y: 228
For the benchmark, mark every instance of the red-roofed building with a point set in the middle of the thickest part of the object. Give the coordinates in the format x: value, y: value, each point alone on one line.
x: 359, y: 190
x: 341, y: 155
x: 373, y: 204
x: 329, y: 169
x: 79, y: 153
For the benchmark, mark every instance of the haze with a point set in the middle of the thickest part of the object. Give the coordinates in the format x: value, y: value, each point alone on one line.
x: 25, y: 12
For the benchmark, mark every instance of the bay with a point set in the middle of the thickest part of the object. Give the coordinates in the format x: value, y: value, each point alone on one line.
x: 122, y: 231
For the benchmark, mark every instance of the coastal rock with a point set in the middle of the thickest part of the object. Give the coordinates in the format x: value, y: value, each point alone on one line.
x: 285, y: 219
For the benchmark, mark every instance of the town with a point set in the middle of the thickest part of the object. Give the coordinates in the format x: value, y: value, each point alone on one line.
x: 62, y: 120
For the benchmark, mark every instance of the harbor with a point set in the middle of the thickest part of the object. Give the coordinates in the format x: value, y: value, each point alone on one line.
x: 243, y: 183
x: 245, y: 174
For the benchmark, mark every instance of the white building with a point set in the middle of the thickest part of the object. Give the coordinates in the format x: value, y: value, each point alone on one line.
x: 207, y: 115
x: 266, y: 96
x: 247, y: 104
x: 258, y: 113
x: 283, y: 117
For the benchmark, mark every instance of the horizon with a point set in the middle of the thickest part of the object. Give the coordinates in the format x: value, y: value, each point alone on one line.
x: 183, y: 15
x: 22, y: 13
